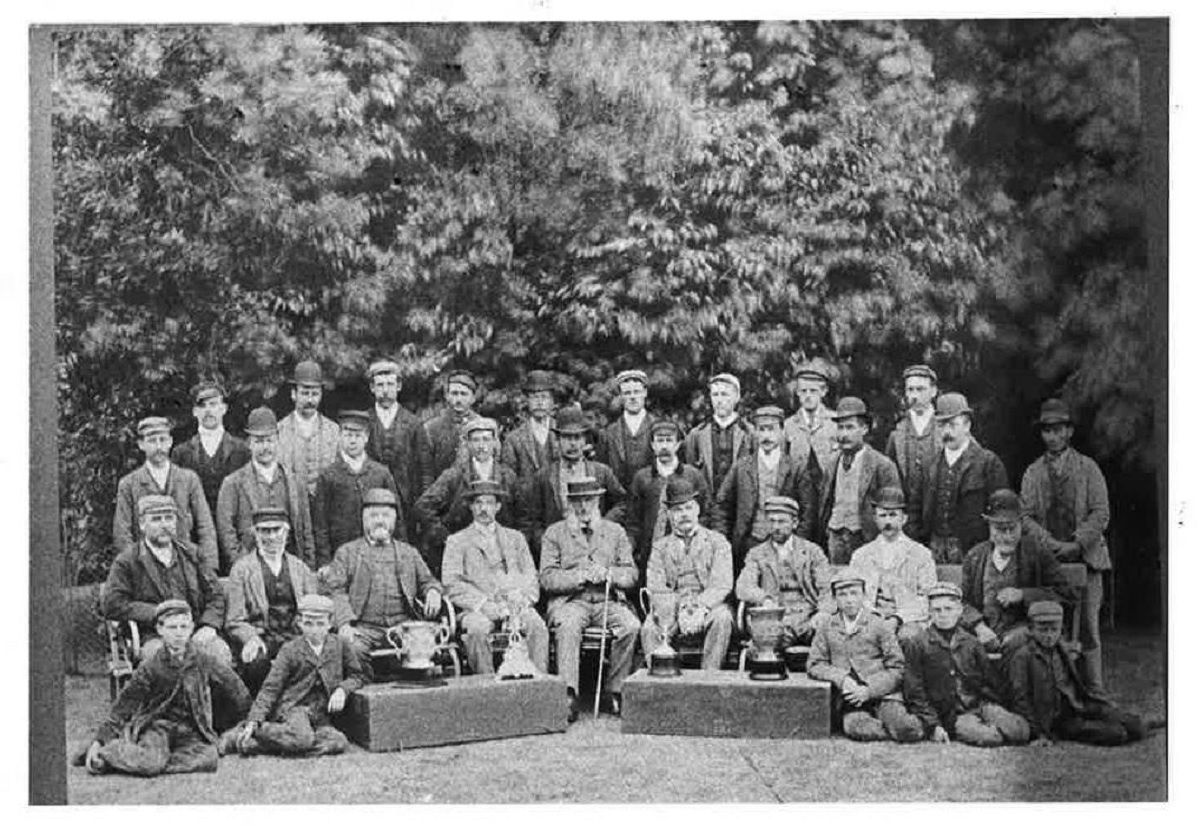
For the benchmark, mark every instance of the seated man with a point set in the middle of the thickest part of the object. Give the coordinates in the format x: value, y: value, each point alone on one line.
x: 490, y: 576
x: 263, y: 593
x: 948, y: 683
x: 1049, y: 693
x: 788, y: 570
x: 162, y: 567
x: 587, y: 561
x: 309, y: 681
x: 163, y: 721
x: 857, y: 652
x: 899, y: 570
x: 377, y: 581
x: 693, y: 568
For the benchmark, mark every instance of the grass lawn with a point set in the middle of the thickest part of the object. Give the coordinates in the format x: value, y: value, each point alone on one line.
x: 594, y: 762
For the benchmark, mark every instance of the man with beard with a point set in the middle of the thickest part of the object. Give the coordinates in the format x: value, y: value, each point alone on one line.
x: 692, y: 568
x: 847, y: 519
x: 914, y: 443
x: 377, y: 581
x: 531, y: 446
x: 962, y: 477
x: 810, y: 438
x: 717, y: 444
x: 337, y: 505
x: 262, y: 483
x: 445, y: 431
x: 212, y: 453
x: 308, y: 441
x: 160, y: 477
x: 1065, y: 501
x: 646, y: 516
x: 398, y: 440
x: 264, y: 593
x: 625, y: 444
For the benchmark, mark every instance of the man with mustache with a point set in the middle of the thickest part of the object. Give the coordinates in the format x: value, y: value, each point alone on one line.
x: 717, y: 444
x: 308, y: 441
x: 625, y: 444
x: 398, y: 440
x: 447, y: 438
x: 212, y: 453
x: 960, y: 480
x: 532, y: 445
x: 916, y: 439
x: 646, y: 517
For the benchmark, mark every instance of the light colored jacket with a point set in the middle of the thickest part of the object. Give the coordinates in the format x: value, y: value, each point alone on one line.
x: 1091, y: 505
x: 246, y: 594
x: 184, y: 486
x: 326, y: 444
x: 821, y: 438
x: 566, y: 552
x: 761, y: 574
x: 869, y: 653
x: 711, y: 558
x: 348, y: 578
x: 235, y: 511
x: 908, y: 582
x: 474, y: 571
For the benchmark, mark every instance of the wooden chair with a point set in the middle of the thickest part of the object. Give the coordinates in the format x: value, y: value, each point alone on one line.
x: 124, y: 649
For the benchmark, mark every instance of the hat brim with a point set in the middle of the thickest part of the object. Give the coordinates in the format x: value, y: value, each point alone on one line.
x: 682, y: 500
x: 585, y: 494
x: 572, y: 431
x: 1048, y: 421
x: 1008, y: 517
x: 945, y: 417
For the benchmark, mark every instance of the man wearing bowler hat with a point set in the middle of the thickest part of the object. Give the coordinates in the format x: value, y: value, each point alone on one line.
x: 717, y: 444
x: 810, y: 435
x: 447, y: 439
x: 398, y: 440
x: 846, y: 516
x: 693, y: 568
x: 587, y: 571
x: 158, y: 476
x: 914, y: 442
x: 960, y: 479
x: 625, y: 444
x: 790, y: 571
x: 212, y: 453
x: 646, y: 515
x: 337, y: 504
x: 308, y: 441
x: 490, y: 577
x: 263, y: 482
x: 532, y: 445
x: 264, y: 592
x: 1065, y: 502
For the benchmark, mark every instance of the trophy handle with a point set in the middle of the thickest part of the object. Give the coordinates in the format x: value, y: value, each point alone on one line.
x: 398, y: 644
x: 644, y: 599
x: 442, y: 635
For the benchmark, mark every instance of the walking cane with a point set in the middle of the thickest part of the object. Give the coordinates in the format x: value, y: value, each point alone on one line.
x: 603, y: 637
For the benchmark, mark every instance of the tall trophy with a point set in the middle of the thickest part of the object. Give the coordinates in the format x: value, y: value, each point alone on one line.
x: 516, y: 664
x: 766, y: 630
x: 664, y: 662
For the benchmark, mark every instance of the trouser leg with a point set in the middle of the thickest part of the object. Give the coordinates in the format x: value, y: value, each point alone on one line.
x: 568, y: 621
x: 476, y: 630
x: 328, y: 740
x: 190, y: 752
x: 864, y: 726
x: 842, y: 545
x: 899, y: 724
x: 718, y: 630
x: 972, y: 729
x: 368, y: 638
x: 292, y: 735
x: 537, y: 638
x: 1089, y: 632
x: 1101, y: 725
x: 625, y: 626
x: 1012, y: 727
x: 145, y: 757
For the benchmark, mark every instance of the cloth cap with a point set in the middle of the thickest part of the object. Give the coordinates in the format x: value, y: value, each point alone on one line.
x: 817, y: 369
x: 155, y: 503
x: 570, y: 421
x: 315, y: 604
x: 680, y: 491
x: 782, y: 504
x: 588, y: 486
x: 726, y: 378
x: 770, y: 411
x: 537, y: 381
x: 1055, y: 411
x: 849, y: 407
x: 153, y: 424
x: 847, y: 576
x: 945, y: 589
x: 355, y: 417
x: 380, y: 497
x: 632, y: 375
x: 481, y: 423
x: 665, y: 426
x: 891, y: 498
x: 921, y: 371
x: 950, y: 405
x: 1045, y: 610
x: 484, y: 487
x: 461, y: 377
x: 262, y: 422
x: 383, y: 367
x: 308, y: 374
x: 169, y: 607
x: 1003, y: 506
x: 206, y: 390
x: 270, y: 516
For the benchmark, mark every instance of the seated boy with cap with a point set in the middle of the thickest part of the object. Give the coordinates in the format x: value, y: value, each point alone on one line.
x: 163, y: 721
x: 1049, y: 693
x: 309, y: 681
x: 948, y: 681
x: 857, y: 652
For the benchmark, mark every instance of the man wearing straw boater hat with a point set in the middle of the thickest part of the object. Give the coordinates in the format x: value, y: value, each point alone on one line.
x: 398, y: 440
x: 308, y: 441
x: 715, y: 445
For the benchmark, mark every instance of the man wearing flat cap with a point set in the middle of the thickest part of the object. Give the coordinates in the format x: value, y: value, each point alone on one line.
x: 739, y: 512
x: 158, y: 476
x: 960, y: 479
x: 447, y: 439
x: 532, y: 445
x: 163, y: 566
x: 212, y: 453
x: 308, y: 441
x: 263, y: 482
x: 846, y: 516
x: 625, y: 444
x: 264, y: 593
x: 378, y: 581
x: 949, y: 684
x: 587, y: 563
x: 337, y: 505
x: 1005, y: 574
x: 810, y: 436
x: 1049, y: 693
x: 788, y: 570
x: 914, y: 443
x: 490, y: 577
x: 1065, y: 501
x: 857, y: 652
x: 398, y: 440
x: 717, y: 444
x: 162, y: 723
x: 308, y: 685
x: 646, y: 514
x: 548, y: 500
x: 692, y: 567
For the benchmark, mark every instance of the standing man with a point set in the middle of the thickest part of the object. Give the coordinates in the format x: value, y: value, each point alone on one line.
x: 913, y: 444
x: 720, y: 442
x: 398, y: 440
x: 532, y: 445
x: 445, y: 431
x: 580, y: 554
x: 337, y: 505
x: 1065, y: 502
x: 740, y: 513
x: 847, y: 519
x: 308, y: 442
x: 625, y: 444
x: 262, y: 483
x: 212, y: 453
x: 810, y: 438
x: 159, y: 477
x: 646, y: 517
x: 490, y: 577
x: 691, y: 568
x: 962, y: 477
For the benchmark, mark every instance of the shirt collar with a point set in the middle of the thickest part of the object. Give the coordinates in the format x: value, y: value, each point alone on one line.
x: 770, y: 459
x: 634, y: 422
x: 154, y: 552
x: 266, y: 473
x: 920, y: 420
x: 212, y: 436
x: 953, y: 456
x: 159, y: 476
x: 355, y: 465
x: 727, y: 421
x: 1000, y: 562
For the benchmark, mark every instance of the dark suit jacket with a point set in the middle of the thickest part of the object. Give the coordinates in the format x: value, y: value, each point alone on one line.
x: 195, y: 520
x: 235, y: 512
x: 698, y: 448
x: 878, y: 472
x: 982, y: 475
x: 404, y: 448
x: 521, y: 453
x: 1039, y: 577
x: 932, y: 671
x: 337, y: 505
x: 641, y: 511
x: 1031, y: 684
x: 444, y: 508
x: 247, y: 607
x: 445, y: 441
x: 297, y: 669
x: 733, y: 512
x: 544, y: 509
x: 348, y: 578
x: 135, y: 587
x: 625, y: 456
x: 231, y: 454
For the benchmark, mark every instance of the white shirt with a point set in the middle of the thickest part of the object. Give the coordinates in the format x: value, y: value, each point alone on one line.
x: 317, y: 649
x: 891, y: 549
x: 276, y: 564
x: 851, y: 624
x: 1001, y: 562
x: 666, y: 469
x: 307, y: 427
x: 484, y: 471
x: 634, y: 423
x: 211, y: 439
x: 727, y: 421
x: 921, y: 421
x: 953, y: 456
x: 355, y: 465
x: 769, y: 460
x: 386, y: 415
x: 165, y: 556
x: 540, y: 430
x: 266, y: 473
x: 159, y: 476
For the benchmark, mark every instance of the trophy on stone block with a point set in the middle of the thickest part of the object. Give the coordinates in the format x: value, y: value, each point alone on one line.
x: 766, y: 630
x: 416, y: 642
x: 664, y: 662
x: 516, y: 664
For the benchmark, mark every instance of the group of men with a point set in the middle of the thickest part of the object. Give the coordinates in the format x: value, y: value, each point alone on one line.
x: 355, y: 525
